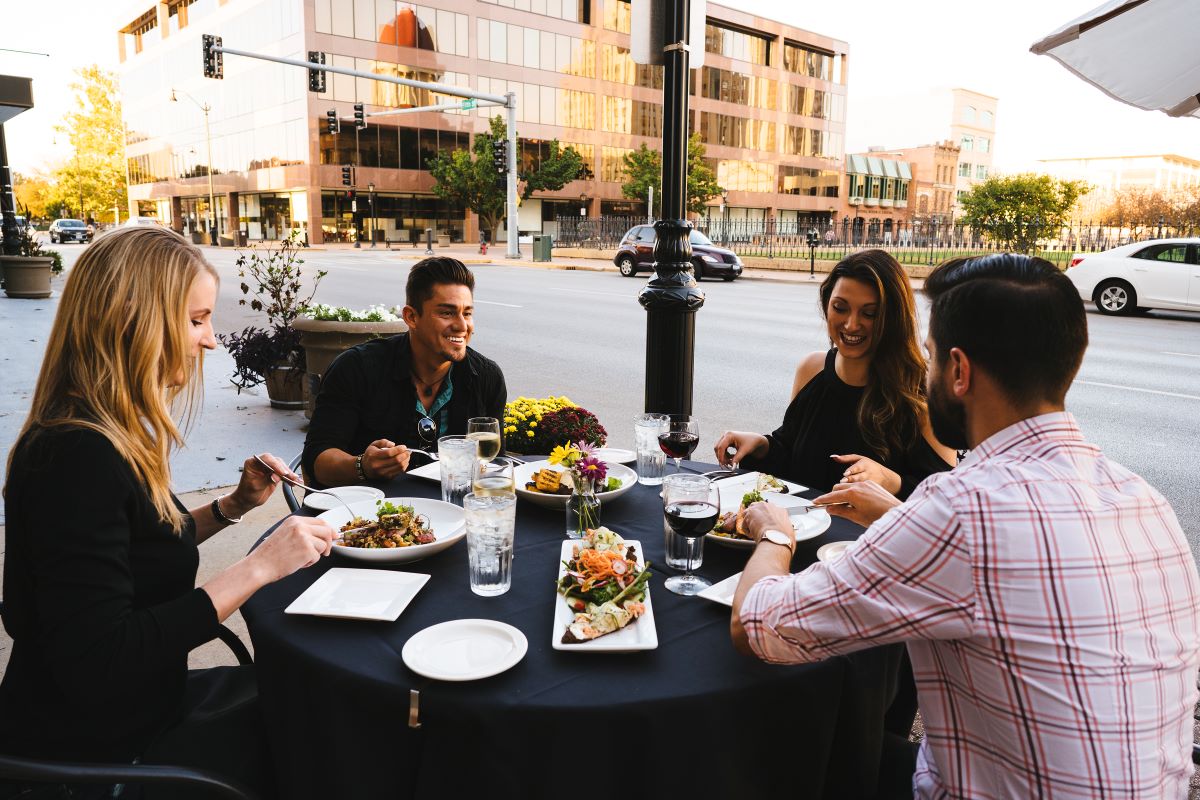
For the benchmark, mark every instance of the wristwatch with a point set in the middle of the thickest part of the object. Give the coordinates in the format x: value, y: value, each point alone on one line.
x: 780, y: 538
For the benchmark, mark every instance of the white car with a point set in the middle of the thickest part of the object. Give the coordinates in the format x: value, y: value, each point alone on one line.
x: 1161, y: 273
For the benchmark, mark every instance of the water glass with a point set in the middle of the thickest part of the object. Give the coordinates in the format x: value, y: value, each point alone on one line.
x: 491, y: 525
x: 493, y: 477
x: 651, y: 460
x: 457, y: 456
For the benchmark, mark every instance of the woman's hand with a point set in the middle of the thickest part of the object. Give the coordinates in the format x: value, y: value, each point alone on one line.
x: 868, y: 501
x: 256, y: 484
x: 745, y: 445
x: 384, y: 459
x: 860, y: 468
x: 298, y: 542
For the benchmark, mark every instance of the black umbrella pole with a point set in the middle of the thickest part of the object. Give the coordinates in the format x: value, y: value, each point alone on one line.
x: 8, y: 223
x: 671, y: 298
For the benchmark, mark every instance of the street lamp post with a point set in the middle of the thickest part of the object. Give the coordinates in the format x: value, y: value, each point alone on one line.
x: 371, y: 210
x: 724, y: 217
x: 1161, y: 220
x: 212, y: 195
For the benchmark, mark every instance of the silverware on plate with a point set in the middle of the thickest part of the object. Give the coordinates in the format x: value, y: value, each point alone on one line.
x: 798, y: 510
x: 299, y: 485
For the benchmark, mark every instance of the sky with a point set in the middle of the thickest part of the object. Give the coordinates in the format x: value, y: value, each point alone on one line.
x: 896, y: 49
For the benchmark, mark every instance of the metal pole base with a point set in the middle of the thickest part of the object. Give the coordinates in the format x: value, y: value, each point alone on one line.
x: 671, y: 299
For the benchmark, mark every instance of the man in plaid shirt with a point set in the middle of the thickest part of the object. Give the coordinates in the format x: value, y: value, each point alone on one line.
x: 1048, y: 598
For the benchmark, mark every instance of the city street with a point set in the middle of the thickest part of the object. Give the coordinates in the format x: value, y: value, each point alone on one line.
x: 582, y: 334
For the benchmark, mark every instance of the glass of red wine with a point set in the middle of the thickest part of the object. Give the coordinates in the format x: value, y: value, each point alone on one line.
x: 681, y: 438
x: 691, y: 504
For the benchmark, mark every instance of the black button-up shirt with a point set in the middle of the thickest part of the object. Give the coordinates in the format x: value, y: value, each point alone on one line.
x: 367, y: 394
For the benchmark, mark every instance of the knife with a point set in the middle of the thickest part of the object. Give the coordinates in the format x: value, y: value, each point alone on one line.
x: 798, y: 510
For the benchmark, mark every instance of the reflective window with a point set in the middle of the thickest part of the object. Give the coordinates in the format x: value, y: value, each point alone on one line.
x: 967, y: 142
x: 612, y: 164
x: 969, y: 115
x: 626, y: 115
x: 981, y: 172
x: 802, y: 141
x: 964, y: 170
x: 547, y: 105
x: 731, y: 131
x: 737, y: 44
x: 617, y: 65
x: 531, y: 48
x: 983, y: 144
x: 390, y: 22
x: 616, y: 15
x: 570, y: 10
x: 744, y: 176
x: 808, y: 61
x: 735, y: 87
x: 985, y: 119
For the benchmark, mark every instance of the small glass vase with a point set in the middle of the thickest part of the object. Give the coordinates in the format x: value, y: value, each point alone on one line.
x: 583, y: 509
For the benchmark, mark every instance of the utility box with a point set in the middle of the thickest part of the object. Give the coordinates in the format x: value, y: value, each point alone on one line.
x: 542, y: 245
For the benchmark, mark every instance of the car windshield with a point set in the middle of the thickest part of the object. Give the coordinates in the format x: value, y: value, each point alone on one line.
x: 70, y: 223
x: 699, y: 238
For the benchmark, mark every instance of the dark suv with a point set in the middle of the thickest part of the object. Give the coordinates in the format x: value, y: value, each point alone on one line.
x: 69, y: 230
x: 636, y: 252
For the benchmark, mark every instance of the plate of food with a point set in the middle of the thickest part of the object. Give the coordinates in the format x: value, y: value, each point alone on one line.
x: 603, y: 599
x: 321, y: 501
x: 757, y: 481
x: 549, y: 486
x: 396, y: 530
x: 730, y: 532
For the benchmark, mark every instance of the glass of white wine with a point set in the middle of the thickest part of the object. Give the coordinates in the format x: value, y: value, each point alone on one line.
x: 493, y: 478
x: 485, y: 431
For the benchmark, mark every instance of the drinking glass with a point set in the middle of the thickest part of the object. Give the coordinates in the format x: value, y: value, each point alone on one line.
x: 486, y: 431
x: 691, y: 504
x: 680, y: 439
x: 491, y: 525
x: 493, y: 478
x: 651, y: 461
x: 457, y: 456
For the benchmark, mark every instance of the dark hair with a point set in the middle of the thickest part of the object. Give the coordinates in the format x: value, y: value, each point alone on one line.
x: 892, y: 408
x: 429, y: 272
x: 1016, y: 316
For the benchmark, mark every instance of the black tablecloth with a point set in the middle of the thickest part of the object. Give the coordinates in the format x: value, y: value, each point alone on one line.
x: 693, y: 716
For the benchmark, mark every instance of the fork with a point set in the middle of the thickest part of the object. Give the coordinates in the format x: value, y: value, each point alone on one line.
x: 299, y: 485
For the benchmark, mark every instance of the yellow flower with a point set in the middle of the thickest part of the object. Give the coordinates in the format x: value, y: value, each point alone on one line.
x: 533, y: 424
x: 529, y: 434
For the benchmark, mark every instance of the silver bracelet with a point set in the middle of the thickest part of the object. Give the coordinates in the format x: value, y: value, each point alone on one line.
x: 219, y: 515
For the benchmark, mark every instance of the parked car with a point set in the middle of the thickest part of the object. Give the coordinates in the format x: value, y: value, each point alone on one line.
x: 69, y: 230
x: 636, y: 253
x: 134, y: 222
x: 1162, y: 273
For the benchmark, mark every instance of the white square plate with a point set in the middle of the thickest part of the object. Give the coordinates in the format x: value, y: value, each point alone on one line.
x: 723, y: 591
x: 430, y: 472
x: 746, y: 482
x: 373, y: 594
x: 637, y: 635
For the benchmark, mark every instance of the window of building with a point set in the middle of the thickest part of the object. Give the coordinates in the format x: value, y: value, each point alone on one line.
x: 626, y: 115
x: 855, y: 188
x: 983, y: 144
x: 617, y: 65
x: 969, y: 115
x: 616, y: 15
x: 736, y: 131
x: 964, y: 170
x: 960, y: 195
x: 805, y: 60
x: 967, y: 142
x: 981, y: 172
x: 812, y: 142
x: 612, y: 164
x: 745, y: 176
x: 735, y: 87
x: 570, y: 10
x: 737, y: 44
x: 528, y: 47
x: 902, y: 192
x: 986, y: 119
x: 402, y: 24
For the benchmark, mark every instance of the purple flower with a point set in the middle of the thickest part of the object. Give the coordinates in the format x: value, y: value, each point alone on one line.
x: 592, y: 469
x: 585, y: 447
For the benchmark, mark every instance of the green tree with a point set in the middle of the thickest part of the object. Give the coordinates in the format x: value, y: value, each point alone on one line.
x: 643, y: 169
x: 469, y: 177
x: 92, y: 180
x: 1015, y: 211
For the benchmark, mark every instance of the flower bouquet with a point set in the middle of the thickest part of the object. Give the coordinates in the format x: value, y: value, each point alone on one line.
x: 535, y: 425
x: 588, y: 474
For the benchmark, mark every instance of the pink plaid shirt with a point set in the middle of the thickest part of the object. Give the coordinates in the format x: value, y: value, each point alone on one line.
x: 1051, y: 607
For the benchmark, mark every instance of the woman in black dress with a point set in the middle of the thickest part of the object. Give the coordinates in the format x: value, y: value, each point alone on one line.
x: 101, y: 558
x: 858, y: 411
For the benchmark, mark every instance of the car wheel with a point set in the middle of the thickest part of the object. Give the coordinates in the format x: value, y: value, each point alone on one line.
x: 627, y: 267
x: 1115, y: 297
x: 53, y: 240
x: 698, y: 269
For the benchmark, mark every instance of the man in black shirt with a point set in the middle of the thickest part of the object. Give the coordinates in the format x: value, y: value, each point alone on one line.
x: 382, y: 398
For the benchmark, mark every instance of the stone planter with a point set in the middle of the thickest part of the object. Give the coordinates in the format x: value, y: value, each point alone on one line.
x: 443, y: 240
x: 285, y: 387
x: 323, y: 341
x: 26, y: 277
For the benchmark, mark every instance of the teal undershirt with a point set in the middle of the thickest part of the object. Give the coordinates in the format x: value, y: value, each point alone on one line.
x: 440, y: 411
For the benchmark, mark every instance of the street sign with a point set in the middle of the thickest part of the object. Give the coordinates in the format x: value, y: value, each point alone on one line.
x: 468, y: 104
x: 354, y: 205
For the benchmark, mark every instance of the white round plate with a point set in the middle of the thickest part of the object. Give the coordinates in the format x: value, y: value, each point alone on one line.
x: 615, y: 455
x: 808, y: 525
x: 349, y: 494
x: 464, y: 649
x: 447, y: 520
x: 831, y: 550
x: 523, y: 473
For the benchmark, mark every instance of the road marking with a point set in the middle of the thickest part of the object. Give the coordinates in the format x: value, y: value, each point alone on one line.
x: 1189, y: 355
x: 1137, y: 389
x: 592, y: 291
x: 494, y: 303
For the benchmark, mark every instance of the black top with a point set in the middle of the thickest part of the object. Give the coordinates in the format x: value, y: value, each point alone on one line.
x: 821, y: 421
x: 367, y: 394
x: 100, y: 601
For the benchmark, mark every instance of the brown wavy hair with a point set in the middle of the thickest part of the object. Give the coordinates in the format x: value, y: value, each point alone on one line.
x: 892, y: 410
x: 118, y: 340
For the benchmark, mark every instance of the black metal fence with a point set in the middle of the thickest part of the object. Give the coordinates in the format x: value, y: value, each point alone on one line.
x: 909, y: 242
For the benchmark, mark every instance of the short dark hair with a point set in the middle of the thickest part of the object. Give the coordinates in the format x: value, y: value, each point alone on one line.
x: 1016, y: 316
x: 429, y: 272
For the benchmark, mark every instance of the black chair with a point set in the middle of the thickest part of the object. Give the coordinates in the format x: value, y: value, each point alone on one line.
x: 34, y: 770
x: 289, y: 494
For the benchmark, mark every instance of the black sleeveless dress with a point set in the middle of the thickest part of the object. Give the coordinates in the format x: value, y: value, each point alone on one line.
x: 822, y: 420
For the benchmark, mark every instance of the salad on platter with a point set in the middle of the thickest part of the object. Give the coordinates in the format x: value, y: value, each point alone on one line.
x: 604, y: 583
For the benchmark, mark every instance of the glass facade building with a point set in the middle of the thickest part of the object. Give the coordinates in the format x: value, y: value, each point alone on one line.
x: 769, y: 104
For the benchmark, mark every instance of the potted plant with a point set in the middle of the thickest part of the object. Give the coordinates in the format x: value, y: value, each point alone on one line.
x: 272, y: 355
x: 538, y: 425
x: 325, y: 331
x: 27, y: 274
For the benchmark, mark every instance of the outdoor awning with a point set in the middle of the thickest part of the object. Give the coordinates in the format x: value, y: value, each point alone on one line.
x: 1142, y: 52
x: 879, y: 167
x: 16, y: 95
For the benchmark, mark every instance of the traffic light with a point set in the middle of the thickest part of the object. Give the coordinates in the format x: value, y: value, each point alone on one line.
x: 332, y: 124
x: 214, y: 63
x: 347, y: 177
x: 500, y: 156
x: 316, y: 77
x: 360, y: 119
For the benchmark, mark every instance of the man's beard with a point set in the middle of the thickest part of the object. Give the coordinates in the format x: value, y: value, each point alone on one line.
x: 948, y: 419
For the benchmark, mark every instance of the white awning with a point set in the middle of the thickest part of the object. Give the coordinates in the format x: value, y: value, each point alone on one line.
x: 1142, y: 52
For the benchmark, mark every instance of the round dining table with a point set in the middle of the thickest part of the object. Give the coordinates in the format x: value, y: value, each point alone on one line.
x: 346, y: 718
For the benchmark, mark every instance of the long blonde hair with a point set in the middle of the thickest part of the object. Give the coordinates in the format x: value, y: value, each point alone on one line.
x: 119, y: 340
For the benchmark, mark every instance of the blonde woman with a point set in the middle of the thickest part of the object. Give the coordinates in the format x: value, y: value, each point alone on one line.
x: 99, y: 573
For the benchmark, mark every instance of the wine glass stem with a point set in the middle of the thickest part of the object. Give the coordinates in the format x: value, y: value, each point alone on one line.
x: 678, y: 466
x: 690, y: 544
